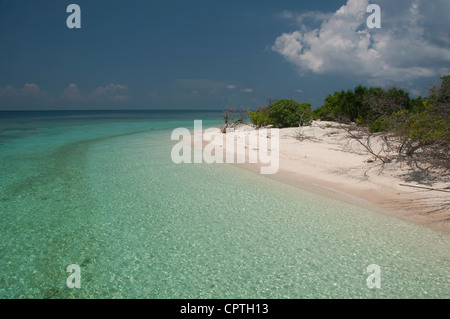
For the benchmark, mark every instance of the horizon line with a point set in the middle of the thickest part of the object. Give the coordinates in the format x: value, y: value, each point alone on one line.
x: 109, y: 110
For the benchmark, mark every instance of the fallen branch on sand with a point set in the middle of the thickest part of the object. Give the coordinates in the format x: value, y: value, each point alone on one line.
x: 427, y: 188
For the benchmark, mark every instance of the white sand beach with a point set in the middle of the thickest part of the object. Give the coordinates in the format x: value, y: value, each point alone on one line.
x: 325, y: 160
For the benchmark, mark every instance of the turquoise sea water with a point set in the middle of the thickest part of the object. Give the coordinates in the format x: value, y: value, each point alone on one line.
x: 99, y: 189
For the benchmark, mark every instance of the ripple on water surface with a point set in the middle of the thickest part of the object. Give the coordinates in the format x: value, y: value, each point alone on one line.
x: 140, y: 226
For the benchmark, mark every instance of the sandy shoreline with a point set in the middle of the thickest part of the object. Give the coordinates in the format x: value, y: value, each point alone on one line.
x: 324, y: 161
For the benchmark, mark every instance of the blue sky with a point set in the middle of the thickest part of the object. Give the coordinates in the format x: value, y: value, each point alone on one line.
x: 212, y: 54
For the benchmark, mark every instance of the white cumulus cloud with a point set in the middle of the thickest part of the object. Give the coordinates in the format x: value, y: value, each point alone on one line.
x: 110, y: 92
x: 114, y: 92
x: 29, y: 90
x: 72, y: 93
x: 413, y: 41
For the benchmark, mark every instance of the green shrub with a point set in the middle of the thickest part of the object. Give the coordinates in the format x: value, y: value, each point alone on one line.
x: 289, y: 113
x: 328, y: 111
x: 365, y: 104
x: 379, y: 125
x: 260, y: 117
x: 421, y: 125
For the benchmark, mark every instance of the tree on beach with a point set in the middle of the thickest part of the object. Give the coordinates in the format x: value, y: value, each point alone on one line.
x: 415, y: 129
x: 261, y: 117
x: 362, y: 105
x: 232, y: 117
x: 282, y: 113
x: 425, y: 133
x: 290, y: 113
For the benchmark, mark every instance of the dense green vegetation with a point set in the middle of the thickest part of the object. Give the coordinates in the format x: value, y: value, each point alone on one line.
x: 420, y: 125
x: 364, y: 106
x: 261, y: 117
x: 282, y: 113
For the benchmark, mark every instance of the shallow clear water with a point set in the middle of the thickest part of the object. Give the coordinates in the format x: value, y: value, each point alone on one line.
x: 100, y: 190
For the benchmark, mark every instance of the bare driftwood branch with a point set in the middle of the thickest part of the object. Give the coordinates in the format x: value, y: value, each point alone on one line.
x: 366, y: 144
x: 233, y: 118
x: 427, y: 188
